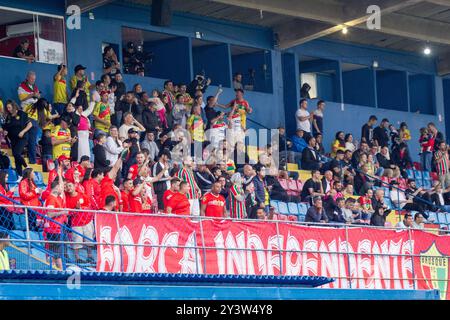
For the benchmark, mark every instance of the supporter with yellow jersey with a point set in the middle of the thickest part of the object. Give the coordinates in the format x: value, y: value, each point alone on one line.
x: 62, y: 140
x: 102, y: 113
x: 60, y: 98
x: 80, y: 75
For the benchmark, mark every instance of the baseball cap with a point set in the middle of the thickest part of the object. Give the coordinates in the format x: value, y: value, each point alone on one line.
x: 79, y: 67
x: 132, y: 130
x: 63, y: 158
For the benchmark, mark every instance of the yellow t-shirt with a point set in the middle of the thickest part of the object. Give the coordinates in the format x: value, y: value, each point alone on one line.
x: 87, y: 84
x: 196, y: 128
x: 33, y: 114
x: 59, y: 133
x: 1, y: 106
x: 60, y: 91
x: 4, y: 260
x: 103, y: 111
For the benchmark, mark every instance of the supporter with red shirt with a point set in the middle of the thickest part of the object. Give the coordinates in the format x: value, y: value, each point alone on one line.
x: 107, y: 187
x: 169, y: 193
x: 6, y: 215
x: 64, y: 162
x: 92, y: 188
x: 29, y: 195
x: 139, y: 201
x: 125, y: 195
x: 52, y: 228
x: 179, y: 202
x: 213, y: 203
x: 135, y: 168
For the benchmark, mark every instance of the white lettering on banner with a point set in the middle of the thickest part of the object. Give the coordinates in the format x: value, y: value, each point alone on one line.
x: 310, y: 265
x: 126, y: 239
x: 244, y: 252
x: 329, y: 262
x: 292, y: 248
x: 273, y: 260
x: 363, y: 263
x: 105, y: 251
x: 381, y: 266
x: 395, y: 248
x: 254, y: 242
x: 191, y: 262
x: 406, y: 265
x: 220, y: 253
x: 170, y: 240
x: 148, y: 237
x: 236, y: 257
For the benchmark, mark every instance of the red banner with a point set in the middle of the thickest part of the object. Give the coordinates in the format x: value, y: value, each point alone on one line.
x: 376, y: 259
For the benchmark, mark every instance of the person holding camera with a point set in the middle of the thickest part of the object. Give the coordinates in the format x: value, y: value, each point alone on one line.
x: 80, y: 75
x: 60, y: 98
x: 111, y: 64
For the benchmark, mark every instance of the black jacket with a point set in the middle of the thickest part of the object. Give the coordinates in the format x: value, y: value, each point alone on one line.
x: 204, y: 181
x: 150, y: 120
x: 100, y: 160
x: 381, y: 136
x: 310, y: 159
x: 134, y: 108
x: 161, y: 185
x: 384, y: 162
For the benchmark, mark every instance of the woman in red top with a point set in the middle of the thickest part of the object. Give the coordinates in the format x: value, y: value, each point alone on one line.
x: 58, y: 216
x: 179, y: 203
x: 6, y: 215
x: 29, y: 195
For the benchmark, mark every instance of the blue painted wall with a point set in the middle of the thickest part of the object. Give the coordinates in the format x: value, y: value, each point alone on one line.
x: 421, y: 88
x: 214, y: 61
x: 172, y: 59
x: 359, y: 87
x: 260, y: 62
x: 392, y: 90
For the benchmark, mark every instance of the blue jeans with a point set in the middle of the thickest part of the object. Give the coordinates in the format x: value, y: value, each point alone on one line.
x: 425, y: 160
x: 33, y: 141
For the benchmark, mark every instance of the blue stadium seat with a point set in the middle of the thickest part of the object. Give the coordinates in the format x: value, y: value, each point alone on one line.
x: 432, y: 216
x: 418, y: 174
x: 275, y: 203
x: 387, y: 192
x: 441, y: 217
x: 39, y: 179
x: 301, y: 218
x: 388, y: 202
x: 19, y: 222
x: 302, y: 208
x: 419, y: 183
x: 13, y: 178
x: 410, y: 173
x: 18, y: 234
x: 293, y: 208
x: 283, y: 208
x: 426, y: 175
x: 427, y: 184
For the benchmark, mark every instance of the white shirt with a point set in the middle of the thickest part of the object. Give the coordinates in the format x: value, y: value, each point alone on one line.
x: 398, y: 198
x: 123, y: 130
x: 303, y: 125
x: 112, y: 151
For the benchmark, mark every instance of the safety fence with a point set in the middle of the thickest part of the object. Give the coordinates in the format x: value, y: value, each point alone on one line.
x: 356, y: 256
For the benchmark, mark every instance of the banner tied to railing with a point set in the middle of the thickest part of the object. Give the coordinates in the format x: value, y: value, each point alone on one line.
x: 376, y: 259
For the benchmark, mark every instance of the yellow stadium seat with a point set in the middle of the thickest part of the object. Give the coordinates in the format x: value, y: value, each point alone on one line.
x: 292, y: 167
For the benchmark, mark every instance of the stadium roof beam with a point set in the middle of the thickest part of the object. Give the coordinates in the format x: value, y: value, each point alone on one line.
x: 352, y: 14
x: 87, y: 5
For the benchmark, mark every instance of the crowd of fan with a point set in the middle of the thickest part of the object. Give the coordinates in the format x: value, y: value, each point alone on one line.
x: 113, y: 149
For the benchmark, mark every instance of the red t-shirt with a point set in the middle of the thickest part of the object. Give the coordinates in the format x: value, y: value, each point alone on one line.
x: 107, y: 189
x: 79, y: 219
x: 168, y: 194
x: 214, y: 205
x: 57, y: 203
x: 179, y: 204
x: 92, y: 188
x: 137, y: 202
x: 125, y: 201
x: 134, y: 170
